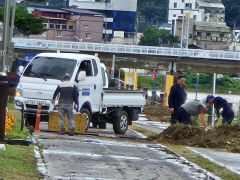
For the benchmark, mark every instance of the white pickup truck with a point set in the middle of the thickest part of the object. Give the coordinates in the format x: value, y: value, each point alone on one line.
x: 101, y: 104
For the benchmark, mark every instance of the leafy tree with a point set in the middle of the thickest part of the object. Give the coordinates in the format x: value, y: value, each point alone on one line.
x: 25, y: 22
x: 151, y: 12
x: 153, y: 36
x: 232, y: 12
x: 57, y: 3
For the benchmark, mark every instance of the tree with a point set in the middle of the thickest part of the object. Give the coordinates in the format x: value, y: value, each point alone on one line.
x: 25, y: 22
x: 151, y: 12
x: 153, y: 36
x: 232, y: 11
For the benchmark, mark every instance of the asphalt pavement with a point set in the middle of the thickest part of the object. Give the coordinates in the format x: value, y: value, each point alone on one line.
x: 104, y: 155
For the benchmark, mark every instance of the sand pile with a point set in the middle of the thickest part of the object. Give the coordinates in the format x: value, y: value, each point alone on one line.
x: 157, y: 113
x: 218, y: 137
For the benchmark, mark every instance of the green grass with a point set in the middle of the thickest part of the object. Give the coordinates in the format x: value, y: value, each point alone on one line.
x: 18, y: 162
x: 16, y: 133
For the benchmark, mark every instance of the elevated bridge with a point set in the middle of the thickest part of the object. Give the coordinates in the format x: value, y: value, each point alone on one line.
x: 146, y: 57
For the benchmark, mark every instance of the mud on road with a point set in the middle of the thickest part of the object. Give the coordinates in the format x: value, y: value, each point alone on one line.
x: 157, y: 112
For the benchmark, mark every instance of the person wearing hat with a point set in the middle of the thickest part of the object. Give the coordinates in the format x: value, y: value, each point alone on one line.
x: 68, y: 94
x: 189, y: 109
x: 176, y: 98
x: 222, y: 107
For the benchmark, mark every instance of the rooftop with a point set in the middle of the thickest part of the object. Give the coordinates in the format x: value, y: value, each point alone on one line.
x: 203, y: 3
x: 211, y: 24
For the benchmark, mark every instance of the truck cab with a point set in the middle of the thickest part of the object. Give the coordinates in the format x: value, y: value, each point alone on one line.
x: 41, y: 77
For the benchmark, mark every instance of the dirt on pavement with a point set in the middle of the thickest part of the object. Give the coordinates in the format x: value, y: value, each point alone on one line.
x: 157, y: 112
x: 226, y: 136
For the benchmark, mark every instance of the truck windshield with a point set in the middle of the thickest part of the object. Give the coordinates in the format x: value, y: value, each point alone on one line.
x: 50, y: 68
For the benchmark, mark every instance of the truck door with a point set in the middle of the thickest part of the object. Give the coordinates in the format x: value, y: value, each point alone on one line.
x: 89, y: 89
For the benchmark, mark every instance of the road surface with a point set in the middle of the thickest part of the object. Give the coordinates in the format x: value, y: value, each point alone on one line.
x: 111, y: 157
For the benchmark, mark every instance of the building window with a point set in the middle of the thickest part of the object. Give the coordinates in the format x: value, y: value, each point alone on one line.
x: 188, y: 5
x: 221, y: 35
x: 64, y: 26
x: 52, y: 21
x: 61, y: 22
x: 44, y: 26
x: 88, y: 35
x: 183, y: 1
x: 195, y: 17
x: 51, y: 26
x: 70, y: 27
x: 59, y: 33
x: 208, y: 34
x: 174, y: 15
x: 181, y: 11
x: 175, y: 5
x: 199, y: 33
x: 58, y: 27
x: 85, y: 26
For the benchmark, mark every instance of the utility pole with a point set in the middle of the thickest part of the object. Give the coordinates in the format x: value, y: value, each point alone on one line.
x: 113, y: 66
x: 3, y: 68
x: 187, y: 34
x: 214, y: 92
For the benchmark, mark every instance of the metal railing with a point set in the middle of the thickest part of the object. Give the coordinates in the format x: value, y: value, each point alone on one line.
x: 123, y: 49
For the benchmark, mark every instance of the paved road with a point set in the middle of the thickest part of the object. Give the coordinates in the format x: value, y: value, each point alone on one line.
x: 99, y: 157
x: 221, y: 157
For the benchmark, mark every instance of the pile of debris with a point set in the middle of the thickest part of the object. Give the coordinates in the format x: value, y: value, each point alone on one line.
x: 157, y: 112
x: 219, y: 137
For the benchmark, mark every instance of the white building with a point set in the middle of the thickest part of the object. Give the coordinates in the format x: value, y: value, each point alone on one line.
x: 200, y: 10
x: 179, y: 7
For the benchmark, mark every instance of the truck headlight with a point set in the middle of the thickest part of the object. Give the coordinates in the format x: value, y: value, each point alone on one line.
x: 19, y: 92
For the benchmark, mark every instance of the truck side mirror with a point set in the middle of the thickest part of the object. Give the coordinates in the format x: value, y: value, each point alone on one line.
x: 20, y: 69
x: 82, y: 76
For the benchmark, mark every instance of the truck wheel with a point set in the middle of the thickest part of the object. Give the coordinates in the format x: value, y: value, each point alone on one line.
x: 88, y: 114
x: 120, y: 124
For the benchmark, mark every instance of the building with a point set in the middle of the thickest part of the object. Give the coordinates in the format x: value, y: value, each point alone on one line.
x: 120, y: 15
x: 70, y: 24
x: 213, y: 36
x: 206, y: 30
x: 177, y: 8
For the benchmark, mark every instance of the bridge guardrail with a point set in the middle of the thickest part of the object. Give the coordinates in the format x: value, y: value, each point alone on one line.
x: 128, y: 49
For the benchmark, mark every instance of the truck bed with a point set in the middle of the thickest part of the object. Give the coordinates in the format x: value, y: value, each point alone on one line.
x: 120, y: 98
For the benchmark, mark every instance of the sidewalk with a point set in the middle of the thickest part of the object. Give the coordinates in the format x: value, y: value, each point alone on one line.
x: 220, y: 157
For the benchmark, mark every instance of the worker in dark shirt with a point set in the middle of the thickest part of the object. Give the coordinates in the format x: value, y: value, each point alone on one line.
x: 176, y: 98
x: 68, y: 94
x: 222, y: 107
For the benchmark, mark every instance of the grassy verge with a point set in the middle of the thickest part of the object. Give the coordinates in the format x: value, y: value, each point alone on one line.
x: 18, y: 162
x: 204, y: 163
